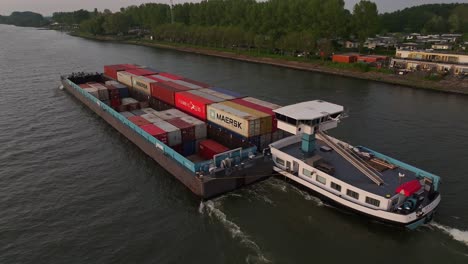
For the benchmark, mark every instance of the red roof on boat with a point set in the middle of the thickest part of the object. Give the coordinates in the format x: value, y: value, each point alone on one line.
x: 408, y: 188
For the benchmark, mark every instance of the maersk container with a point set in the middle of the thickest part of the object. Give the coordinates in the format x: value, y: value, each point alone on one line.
x: 174, y: 136
x: 156, y: 132
x: 164, y: 92
x: 125, y: 78
x: 209, y: 148
x: 265, y: 119
x: 192, y: 104
x: 217, y: 94
x: 229, y: 92
x: 151, y: 118
x: 201, y: 84
x: 138, y: 120
x: 187, y: 84
x: 170, y: 114
x: 127, y: 114
x: 235, y: 120
x: 142, y: 84
x: 170, y: 76
x: 186, y: 129
x: 138, y: 112
x: 200, y: 126
x: 260, y: 105
x: 207, y: 96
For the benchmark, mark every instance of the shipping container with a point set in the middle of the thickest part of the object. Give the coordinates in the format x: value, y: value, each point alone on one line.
x: 156, y: 132
x: 201, y: 84
x: 164, y: 92
x: 188, y: 148
x: 187, y: 130
x: 177, y: 86
x: 151, y: 118
x: 266, y: 104
x: 127, y: 114
x: 138, y: 112
x: 237, y: 121
x: 84, y: 85
x: 142, y: 84
x: 93, y: 91
x: 141, y: 72
x: 136, y: 94
x: 266, y: 120
x: 170, y: 76
x: 174, y: 136
x: 158, y: 104
x: 125, y: 78
x: 121, y: 108
x: 170, y: 114
x: 123, y: 89
x: 192, y: 104
x: 138, y: 120
x: 207, y: 96
x: 262, y: 108
x: 229, y: 92
x: 209, y: 148
x: 115, y: 102
x: 187, y: 84
x: 200, y: 126
x: 149, y: 110
x: 111, y: 70
x: 160, y: 78
x: 229, y: 138
x: 217, y: 94
x: 129, y: 100
x: 344, y: 58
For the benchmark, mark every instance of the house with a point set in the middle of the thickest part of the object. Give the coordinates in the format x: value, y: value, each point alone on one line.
x: 415, y: 60
x: 441, y: 46
x: 351, y: 44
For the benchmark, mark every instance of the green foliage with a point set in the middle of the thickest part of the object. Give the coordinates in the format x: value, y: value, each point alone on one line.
x: 24, y: 19
x: 365, y: 19
x: 93, y: 26
x: 118, y: 23
x: 70, y: 18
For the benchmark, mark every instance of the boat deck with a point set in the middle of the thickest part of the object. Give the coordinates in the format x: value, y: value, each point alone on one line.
x: 346, y: 172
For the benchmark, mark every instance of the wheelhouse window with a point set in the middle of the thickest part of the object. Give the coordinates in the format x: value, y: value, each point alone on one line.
x: 373, y: 201
x: 321, y: 179
x: 307, y: 173
x: 335, y: 186
x: 352, y: 194
x: 280, y: 161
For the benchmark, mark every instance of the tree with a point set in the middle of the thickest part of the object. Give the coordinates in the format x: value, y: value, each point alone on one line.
x: 365, y: 20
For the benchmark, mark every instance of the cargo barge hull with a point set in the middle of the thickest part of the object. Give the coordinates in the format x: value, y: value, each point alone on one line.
x: 205, y: 187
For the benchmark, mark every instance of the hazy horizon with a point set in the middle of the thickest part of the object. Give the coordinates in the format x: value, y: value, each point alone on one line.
x: 47, y: 7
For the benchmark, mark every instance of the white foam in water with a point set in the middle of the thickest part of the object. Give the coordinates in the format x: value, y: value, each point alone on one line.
x: 456, y: 234
x: 235, y: 231
x: 307, y: 196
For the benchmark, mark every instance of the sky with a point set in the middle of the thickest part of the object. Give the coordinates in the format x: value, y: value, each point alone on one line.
x: 47, y: 7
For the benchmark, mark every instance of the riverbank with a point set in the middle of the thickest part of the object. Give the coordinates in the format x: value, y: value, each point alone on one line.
x: 450, y: 85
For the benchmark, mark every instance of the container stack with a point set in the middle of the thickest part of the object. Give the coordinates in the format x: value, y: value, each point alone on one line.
x: 111, y: 70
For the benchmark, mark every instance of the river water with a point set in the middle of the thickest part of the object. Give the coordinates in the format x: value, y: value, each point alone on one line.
x: 73, y: 190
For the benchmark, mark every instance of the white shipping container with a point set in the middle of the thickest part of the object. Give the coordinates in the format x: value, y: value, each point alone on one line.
x: 261, y: 102
x: 207, y: 96
x: 218, y: 94
x: 149, y: 110
x: 234, y: 120
x: 186, y: 84
x: 170, y: 114
x: 142, y: 84
x: 151, y: 118
x: 174, y: 136
x: 162, y: 78
x: 200, y: 126
x: 93, y: 91
x: 126, y: 78
x: 128, y: 100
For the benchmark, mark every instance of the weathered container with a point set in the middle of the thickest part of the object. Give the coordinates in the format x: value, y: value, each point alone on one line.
x: 266, y: 104
x: 261, y: 108
x: 128, y: 100
x: 229, y: 138
x: 115, y: 102
x: 207, y: 96
x: 344, y: 58
x: 158, y: 104
x: 121, y: 108
x: 208, y: 148
x: 84, y: 85
x: 138, y: 112
x: 156, y: 132
x: 200, y: 126
x: 201, y: 84
x: 142, y: 84
x: 93, y: 91
x: 187, y: 130
x: 174, y: 136
x: 138, y: 120
x: 170, y: 114
x: 192, y: 104
x: 229, y: 92
x: 217, y: 94
x: 265, y: 119
x: 141, y: 72
x: 237, y: 121
x: 125, y: 78
x: 164, y: 92
x: 149, y: 110
x: 123, y: 89
x: 187, y: 84
x: 127, y: 114
x: 170, y: 76
x: 139, y: 96
x: 160, y: 78
x: 151, y: 118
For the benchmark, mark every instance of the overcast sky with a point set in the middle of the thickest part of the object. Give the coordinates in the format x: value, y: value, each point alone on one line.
x: 47, y: 7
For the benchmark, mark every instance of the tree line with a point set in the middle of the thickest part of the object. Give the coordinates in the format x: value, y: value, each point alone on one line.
x: 24, y: 19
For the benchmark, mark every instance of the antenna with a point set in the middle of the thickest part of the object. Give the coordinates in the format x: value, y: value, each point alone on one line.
x: 172, y: 13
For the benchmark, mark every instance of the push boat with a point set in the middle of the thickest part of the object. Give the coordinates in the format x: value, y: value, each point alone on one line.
x: 353, y: 177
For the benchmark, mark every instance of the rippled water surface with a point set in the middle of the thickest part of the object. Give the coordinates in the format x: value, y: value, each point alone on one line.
x: 73, y: 190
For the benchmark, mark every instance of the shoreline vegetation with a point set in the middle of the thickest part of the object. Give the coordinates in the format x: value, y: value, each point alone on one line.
x: 452, y: 85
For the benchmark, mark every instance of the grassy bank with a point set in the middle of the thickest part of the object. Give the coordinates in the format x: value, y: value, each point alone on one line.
x: 452, y: 85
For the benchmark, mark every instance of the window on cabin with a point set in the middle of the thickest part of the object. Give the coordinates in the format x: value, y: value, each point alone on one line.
x: 280, y: 161
x: 335, y: 186
x: 373, y: 201
x: 307, y: 173
x: 352, y: 194
x: 321, y: 179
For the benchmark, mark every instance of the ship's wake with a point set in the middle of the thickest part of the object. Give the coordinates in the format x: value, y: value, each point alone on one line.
x: 457, y: 234
x: 212, y: 208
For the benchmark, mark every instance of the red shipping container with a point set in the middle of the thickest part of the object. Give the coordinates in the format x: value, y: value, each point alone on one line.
x: 156, y: 132
x: 187, y: 130
x: 343, y: 58
x: 141, y: 72
x: 192, y: 104
x: 164, y: 92
x: 208, y: 148
x: 121, y: 108
x: 178, y: 86
x: 263, y: 109
x: 171, y: 76
x: 204, y: 85
x: 366, y: 59
x: 138, y: 120
x: 115, y: 102
x: 84, y: 85
x: 111, y: 70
